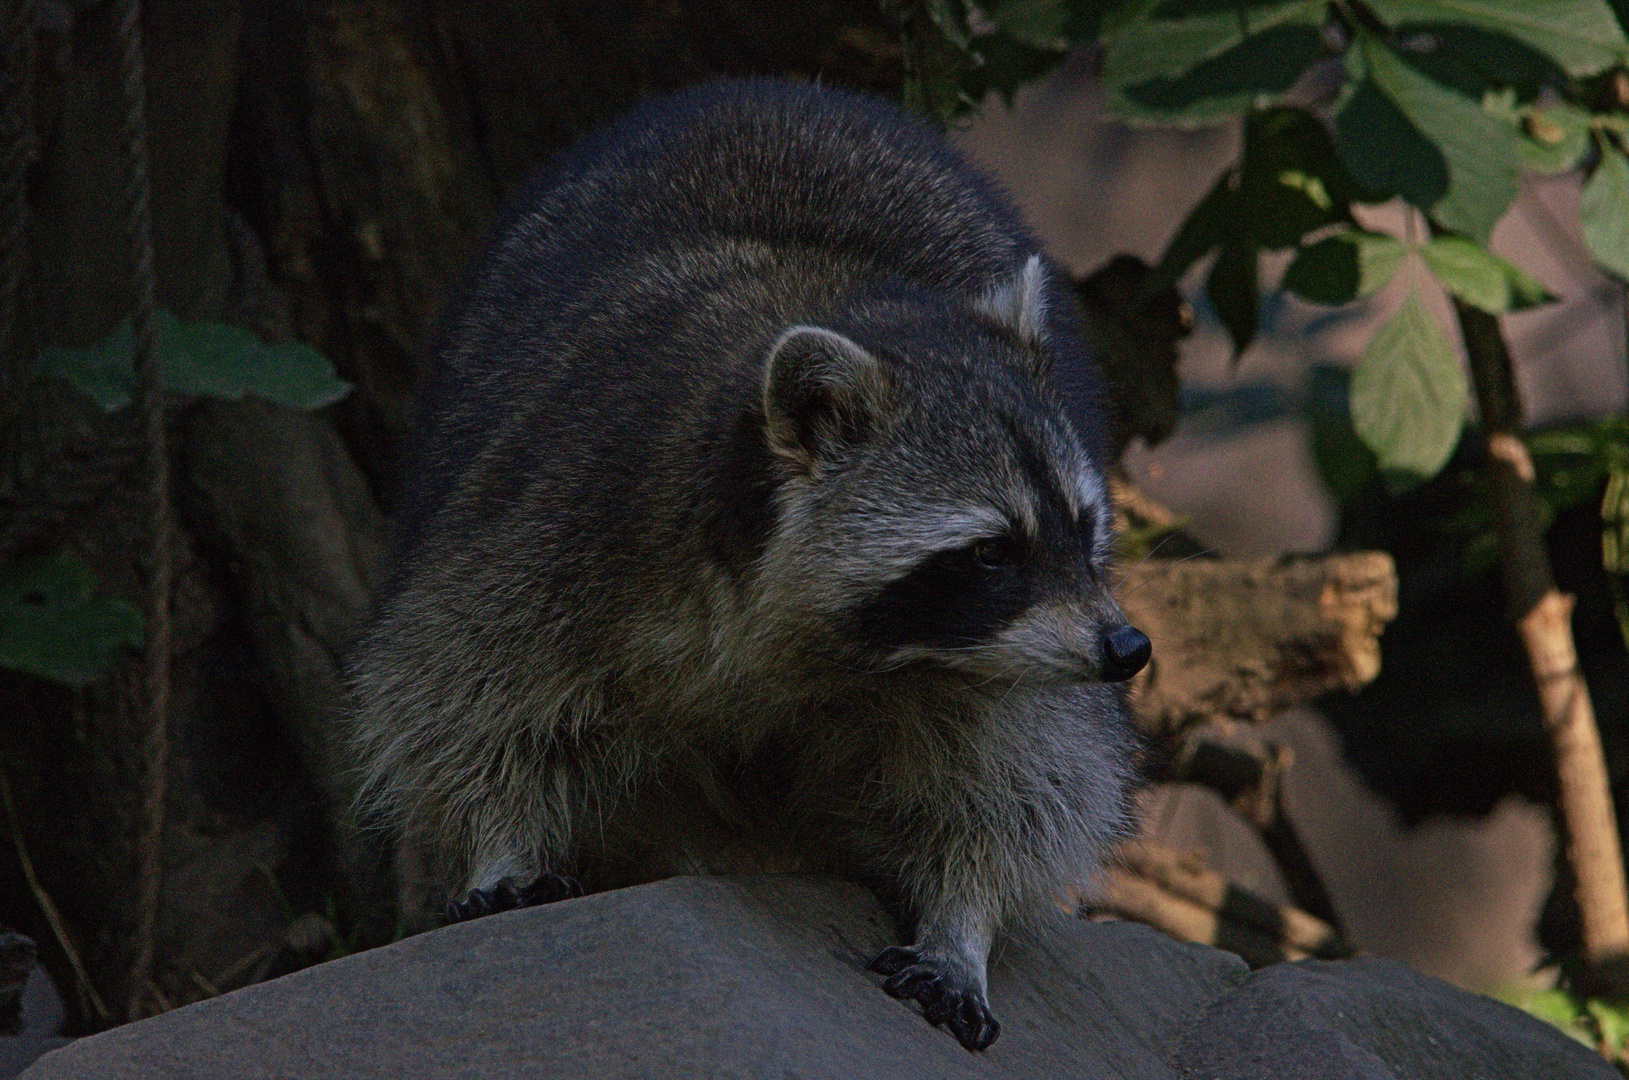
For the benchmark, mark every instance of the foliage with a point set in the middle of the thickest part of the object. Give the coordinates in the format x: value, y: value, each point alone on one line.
x: 1573, y: 463
x: 1440, y: 103
x: 200, y: 358
x: 1408, y: 395
x: 1598, y: 1024
x: 51, y: 624
x: 1434, y: 101
x: 957, y: 52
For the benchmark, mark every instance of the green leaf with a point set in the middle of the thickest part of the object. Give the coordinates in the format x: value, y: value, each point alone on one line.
x: 53, y: 626
x: 1345, y: 464
x: 1084, y: 19
x: 1573, y: 460
x: 200, y: 358
x: 1262, y: 65
x: 1612, y: 1021
x: 104, y: 372
x: 1476, y: 63
x: 1580, y: 35
x: 1206, y: 226
x: 1615, y: 524
x: 1034, y: 22
x: 1556, y: 138
x: 1481, y: 278
x: 1604, y: 212
x: 950, y: 16
x: 1008, y: 64
x: 1341, y: 268
x: 1153, y: 52
x: 1233, y: 292
x: 1404, y: 133
x: 1385, y: 152
x: 1409, y: 395
x: 1555, y: 1007
x: 1291, y: 180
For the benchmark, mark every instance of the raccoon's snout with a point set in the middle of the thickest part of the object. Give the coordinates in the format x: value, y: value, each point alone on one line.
x: 1125, y: 650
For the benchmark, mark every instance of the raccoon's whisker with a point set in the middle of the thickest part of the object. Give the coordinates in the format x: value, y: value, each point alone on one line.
x: 1174, y: 562
x: 1149, y: 554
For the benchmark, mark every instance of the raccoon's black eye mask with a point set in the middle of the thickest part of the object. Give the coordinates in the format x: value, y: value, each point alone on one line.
x: 952, y: 599
x: 995, y: 552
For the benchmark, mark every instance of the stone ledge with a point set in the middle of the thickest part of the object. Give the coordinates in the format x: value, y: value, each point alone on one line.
x: 765, y: 977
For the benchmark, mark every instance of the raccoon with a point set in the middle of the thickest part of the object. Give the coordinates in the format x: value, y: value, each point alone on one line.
x: 749, y: 532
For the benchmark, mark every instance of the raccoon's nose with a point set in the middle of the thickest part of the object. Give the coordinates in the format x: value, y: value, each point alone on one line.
x: 1125, y: 650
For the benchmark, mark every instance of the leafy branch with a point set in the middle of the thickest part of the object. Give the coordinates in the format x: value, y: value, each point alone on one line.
x: 1437, y: 102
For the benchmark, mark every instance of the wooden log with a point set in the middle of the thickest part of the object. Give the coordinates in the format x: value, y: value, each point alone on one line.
x: 1248, y: 638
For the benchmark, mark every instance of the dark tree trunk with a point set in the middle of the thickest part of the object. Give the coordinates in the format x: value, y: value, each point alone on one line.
x: 321, y: 171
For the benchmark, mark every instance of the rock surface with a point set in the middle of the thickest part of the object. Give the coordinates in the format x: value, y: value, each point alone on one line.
x: 765, y: 977
x: 34, y: 1030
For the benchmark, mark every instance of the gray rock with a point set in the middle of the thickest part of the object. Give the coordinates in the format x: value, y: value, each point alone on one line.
x: 765, y: 977
x: 30, y: 1010
x: 17, y: 1052
x: 16, y: 961
x: 1377, y: 1019
x: 42, y: 1012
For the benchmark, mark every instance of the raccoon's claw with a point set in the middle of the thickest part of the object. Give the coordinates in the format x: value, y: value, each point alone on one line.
x: 479, y: 902
x: 963, y: 1009
x: 504, y: 896
x: 549, y: 889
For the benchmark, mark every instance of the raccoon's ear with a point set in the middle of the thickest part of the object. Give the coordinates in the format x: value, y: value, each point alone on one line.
x: 1019, y: 303
x: 822, y: 393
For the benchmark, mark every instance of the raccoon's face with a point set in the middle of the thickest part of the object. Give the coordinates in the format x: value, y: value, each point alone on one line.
x: 942, y: 510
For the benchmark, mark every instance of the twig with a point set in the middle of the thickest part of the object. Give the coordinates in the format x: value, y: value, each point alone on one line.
x: 246, y: 962
x: 1542, y: 615
x: 1131, y: 896
x: 153, y: 991
x: 150, y: 402
x: 1187, y: 876
x: 205, y: 985
x: 52, y: 916
x: 1251, y: 779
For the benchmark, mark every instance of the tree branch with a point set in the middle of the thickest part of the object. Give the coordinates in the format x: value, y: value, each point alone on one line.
x: 1543, y: 619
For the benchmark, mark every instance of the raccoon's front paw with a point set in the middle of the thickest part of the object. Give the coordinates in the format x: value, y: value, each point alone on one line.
x: 505, y: 895
x: 945, y: 998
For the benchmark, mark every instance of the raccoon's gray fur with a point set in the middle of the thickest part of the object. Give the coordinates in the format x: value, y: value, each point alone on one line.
x: 750, y: 532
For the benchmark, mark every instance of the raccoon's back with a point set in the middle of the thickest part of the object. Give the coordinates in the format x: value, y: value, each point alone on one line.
x: 783, y: 165
x: 840, y: 182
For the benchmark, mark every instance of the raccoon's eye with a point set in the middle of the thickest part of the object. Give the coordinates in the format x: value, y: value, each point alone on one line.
x: 995, y: 553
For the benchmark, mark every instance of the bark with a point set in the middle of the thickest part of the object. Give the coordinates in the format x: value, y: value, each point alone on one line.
x: 1247, y: 639
x: 295, y: 517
